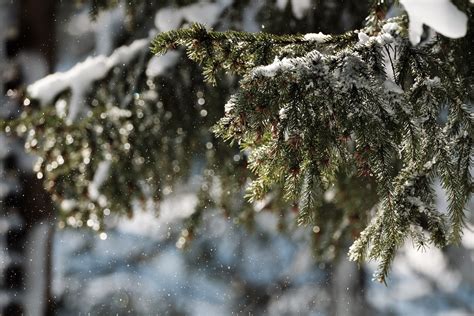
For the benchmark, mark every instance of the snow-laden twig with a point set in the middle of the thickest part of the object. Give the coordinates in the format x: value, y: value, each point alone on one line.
x: 80, y: 77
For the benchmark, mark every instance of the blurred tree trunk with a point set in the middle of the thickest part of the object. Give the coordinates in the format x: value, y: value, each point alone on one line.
x: 348, y: 285
x: 26, y: 211
x: 37, y: 37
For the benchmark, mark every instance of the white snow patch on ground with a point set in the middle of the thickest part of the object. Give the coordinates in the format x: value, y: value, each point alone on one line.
x: 441, y: 15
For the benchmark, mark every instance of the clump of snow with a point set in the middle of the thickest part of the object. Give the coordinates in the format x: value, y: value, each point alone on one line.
x: 61, y: 108
x: 283, y: 113
x: 205, y: 13
x: 468, y: 237
x: 392, y: 86
x: 330, y: 194
x: 159, y: 64
x: 171, y: 18
x: 363, y: 38
x: 384, y: 38
x: 99, y: 178
x: 429, y: 164
x: 271, y: 69
x: 441, y: 15
x: 432, y: 83
x: 316, y: 37
x: 299, y: 7
x: 391, y: 27
x: 80, y: 77
x: 168, y: 19
x: 229, y: 106
x: 387, y: 36
x: 286, y: 64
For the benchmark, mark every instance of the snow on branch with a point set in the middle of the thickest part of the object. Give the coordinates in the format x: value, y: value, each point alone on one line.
x: 80, y: 77
x: 441, y: 15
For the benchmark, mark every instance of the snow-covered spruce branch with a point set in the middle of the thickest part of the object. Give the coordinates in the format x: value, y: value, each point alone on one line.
x: 81, y: 77
x: 238, y: 52
x: 346, y: 103
x: 130, y: 146
x: 80, y: 160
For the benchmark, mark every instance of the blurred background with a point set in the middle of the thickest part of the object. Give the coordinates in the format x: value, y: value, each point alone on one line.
x: 146, y: 262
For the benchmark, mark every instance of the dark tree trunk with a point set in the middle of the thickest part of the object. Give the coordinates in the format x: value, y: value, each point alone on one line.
x: 26, y: 211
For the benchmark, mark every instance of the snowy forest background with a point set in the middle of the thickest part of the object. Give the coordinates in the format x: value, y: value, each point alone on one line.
x: 136, y: 266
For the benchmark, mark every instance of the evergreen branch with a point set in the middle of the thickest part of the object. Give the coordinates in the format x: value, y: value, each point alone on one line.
x: 235, y: 51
